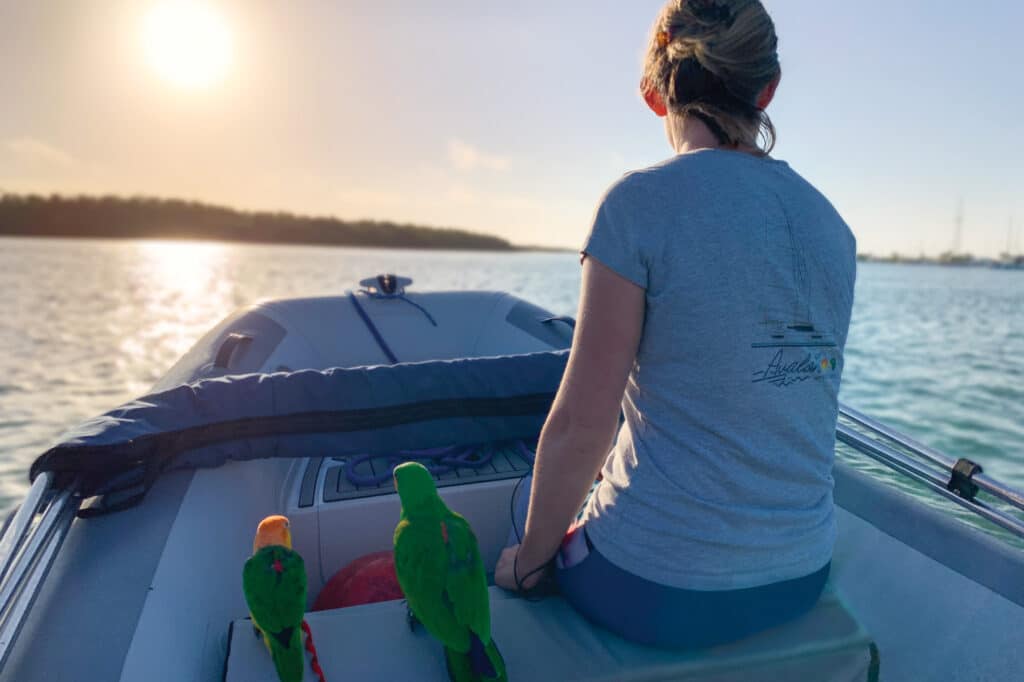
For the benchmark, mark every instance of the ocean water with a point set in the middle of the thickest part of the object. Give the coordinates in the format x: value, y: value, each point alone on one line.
x: 88, y: 324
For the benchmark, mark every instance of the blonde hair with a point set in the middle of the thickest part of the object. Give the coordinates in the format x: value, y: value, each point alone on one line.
x: 711, y: 59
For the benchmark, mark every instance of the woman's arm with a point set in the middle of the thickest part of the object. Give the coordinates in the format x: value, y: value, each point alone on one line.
x: 582, y: 423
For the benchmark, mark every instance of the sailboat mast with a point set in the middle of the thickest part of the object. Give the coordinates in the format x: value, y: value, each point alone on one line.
x: 959, y: 228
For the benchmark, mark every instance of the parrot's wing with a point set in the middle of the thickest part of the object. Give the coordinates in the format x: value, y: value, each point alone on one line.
x: 421, y: 565
x: 467, y: 580
x: 274, y: 582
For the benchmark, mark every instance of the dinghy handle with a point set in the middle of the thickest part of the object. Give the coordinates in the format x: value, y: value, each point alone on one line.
x: 565, y: 319
x: 228, y: 348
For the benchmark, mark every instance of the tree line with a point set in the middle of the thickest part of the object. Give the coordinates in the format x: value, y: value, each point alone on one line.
x: 149, y: 218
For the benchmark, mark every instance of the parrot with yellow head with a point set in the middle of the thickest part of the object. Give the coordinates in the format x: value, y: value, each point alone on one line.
x: 274, y: 582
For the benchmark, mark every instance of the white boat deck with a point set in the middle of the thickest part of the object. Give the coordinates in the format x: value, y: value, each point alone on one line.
x: 547, y: 641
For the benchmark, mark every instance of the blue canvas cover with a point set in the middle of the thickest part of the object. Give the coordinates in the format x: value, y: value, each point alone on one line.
x: 379, y: 409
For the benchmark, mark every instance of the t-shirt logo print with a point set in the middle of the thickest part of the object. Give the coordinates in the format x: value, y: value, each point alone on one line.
x: 782, y: 371
x: 801, y: 353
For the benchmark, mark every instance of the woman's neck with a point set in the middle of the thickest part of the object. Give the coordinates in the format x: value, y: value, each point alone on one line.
x: 688, y: 134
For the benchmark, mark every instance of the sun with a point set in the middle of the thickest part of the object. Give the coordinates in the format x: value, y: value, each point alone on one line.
x: 188, y: 43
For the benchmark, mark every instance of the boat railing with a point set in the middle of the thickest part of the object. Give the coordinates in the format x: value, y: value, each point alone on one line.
x: 956, y: 480
x: 28, y: 547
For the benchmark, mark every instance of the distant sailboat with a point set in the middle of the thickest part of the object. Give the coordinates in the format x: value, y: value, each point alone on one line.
x: 954, y: 255
x: 958, y: 232
x: 1012, y: 258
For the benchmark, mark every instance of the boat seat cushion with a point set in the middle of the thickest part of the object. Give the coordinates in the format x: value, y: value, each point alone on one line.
x: 548, y: 640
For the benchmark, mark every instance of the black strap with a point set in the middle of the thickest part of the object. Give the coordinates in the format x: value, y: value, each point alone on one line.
x: 115, y: 499
x: 373, y: 329
x: 961, y: 482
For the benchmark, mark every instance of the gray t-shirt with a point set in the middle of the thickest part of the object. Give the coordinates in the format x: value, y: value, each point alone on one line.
x: 721, y: 476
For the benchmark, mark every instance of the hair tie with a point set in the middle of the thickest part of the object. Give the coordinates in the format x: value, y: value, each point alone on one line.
x: 692, y: 83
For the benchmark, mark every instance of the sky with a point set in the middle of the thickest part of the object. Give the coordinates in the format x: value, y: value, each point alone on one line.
x: 509, y: 118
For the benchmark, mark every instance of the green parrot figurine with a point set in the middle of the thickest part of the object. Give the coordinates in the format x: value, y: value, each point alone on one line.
x: 442, y: 576
x: 274, y: 582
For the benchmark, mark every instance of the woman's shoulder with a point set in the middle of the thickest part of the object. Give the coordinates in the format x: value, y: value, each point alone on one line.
x: 698, y: 167
x: 641, y: 185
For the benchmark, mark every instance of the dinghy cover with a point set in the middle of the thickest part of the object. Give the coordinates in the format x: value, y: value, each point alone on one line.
x: 344, y: 411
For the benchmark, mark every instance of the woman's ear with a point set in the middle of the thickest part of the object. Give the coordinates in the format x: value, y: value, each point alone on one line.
x: 653, y: 99
x: 768, y: 93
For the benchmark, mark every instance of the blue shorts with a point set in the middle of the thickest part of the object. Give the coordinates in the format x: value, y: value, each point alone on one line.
x: 668, y: 617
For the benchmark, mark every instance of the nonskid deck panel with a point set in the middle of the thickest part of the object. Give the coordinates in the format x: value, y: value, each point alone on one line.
x: 504, y: 463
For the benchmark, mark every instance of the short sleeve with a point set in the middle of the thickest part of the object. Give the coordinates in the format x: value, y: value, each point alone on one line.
x: 615, y: 239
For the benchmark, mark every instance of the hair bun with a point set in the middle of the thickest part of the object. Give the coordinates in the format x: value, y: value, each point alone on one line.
x: 712, y: 59
x: 711, y: 12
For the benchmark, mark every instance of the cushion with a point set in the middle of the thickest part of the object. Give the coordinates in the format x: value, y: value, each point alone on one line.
x: 548, y: 640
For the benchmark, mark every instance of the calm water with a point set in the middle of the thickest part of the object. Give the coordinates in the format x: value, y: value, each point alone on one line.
x: 86, y: 325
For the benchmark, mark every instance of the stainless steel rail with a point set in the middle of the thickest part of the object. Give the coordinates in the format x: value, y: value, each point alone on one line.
x: 16, y: 531
x: 31, y: 549
x: 908, y: 467
x: 984, y: 482
x: 935, y: 476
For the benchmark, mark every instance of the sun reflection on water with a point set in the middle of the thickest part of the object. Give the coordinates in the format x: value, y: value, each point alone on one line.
x: 185, y: 268
x: 180, y: 289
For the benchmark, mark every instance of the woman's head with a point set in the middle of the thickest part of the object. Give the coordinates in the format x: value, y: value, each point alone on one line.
x: 715, y: 60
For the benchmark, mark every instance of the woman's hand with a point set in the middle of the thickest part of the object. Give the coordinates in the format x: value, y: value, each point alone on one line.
x: 505, y: 571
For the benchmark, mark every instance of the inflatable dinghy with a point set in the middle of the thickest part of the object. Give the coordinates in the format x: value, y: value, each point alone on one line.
x: 123, y: 562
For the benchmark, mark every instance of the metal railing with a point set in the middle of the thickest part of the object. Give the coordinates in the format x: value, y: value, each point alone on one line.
x: 27, y: 549
x: 927, y: 466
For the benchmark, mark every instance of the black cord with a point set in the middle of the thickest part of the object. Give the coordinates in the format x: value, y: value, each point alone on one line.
x: 512, y: 507
x: 539, y: 590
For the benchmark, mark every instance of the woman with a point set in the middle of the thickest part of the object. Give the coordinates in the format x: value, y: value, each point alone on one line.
x: 716, y: 297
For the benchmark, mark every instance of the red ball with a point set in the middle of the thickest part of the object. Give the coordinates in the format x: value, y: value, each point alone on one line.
x: 366, y: 580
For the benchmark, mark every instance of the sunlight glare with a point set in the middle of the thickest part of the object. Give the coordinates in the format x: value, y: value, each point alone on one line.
x: 188, y: 43
x: 183, y: 271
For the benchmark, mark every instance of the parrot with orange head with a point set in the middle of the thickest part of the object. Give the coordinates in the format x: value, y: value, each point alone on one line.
x: 274, y: 582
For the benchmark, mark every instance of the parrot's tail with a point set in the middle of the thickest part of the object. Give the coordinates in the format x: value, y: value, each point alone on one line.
x: 484, y: 659
x: 479, y: 661
x: 314, y: 661
x: 482, y: 663
x: 497, y: 662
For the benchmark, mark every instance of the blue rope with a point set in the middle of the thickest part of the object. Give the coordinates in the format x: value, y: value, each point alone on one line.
x: 373, y: 329
x: 402, y: 297
x: 413, y: 303
x: 438, y: 461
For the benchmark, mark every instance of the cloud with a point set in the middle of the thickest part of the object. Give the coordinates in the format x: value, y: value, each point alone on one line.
x: 38, y: 152
x: 466, y: 157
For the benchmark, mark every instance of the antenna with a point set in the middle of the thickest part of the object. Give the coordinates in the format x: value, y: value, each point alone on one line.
x: 959, y: 228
